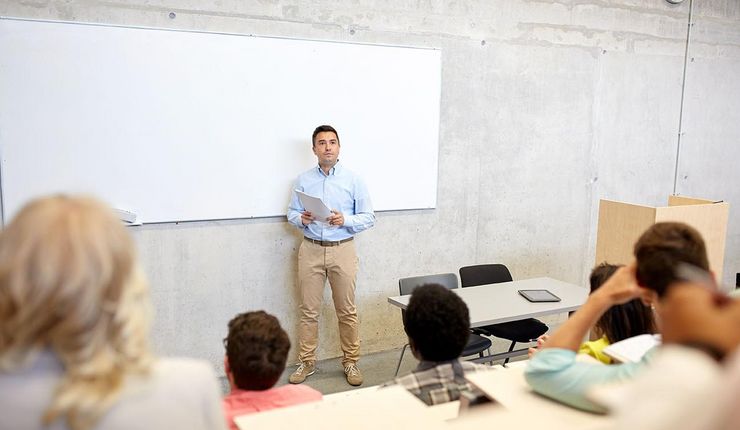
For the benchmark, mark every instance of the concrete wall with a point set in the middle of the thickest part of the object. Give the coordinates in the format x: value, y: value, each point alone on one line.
x: 547, y: 106
x: 709, y: 161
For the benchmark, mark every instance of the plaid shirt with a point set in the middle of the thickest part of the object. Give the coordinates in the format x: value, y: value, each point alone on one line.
x: 436, y: 382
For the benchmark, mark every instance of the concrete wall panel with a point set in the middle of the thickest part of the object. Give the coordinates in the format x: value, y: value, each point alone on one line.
x: 710, y: 147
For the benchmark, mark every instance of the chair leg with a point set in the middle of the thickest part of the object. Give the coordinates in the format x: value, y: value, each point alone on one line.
x: 511, y: 348
x: 400, y: 359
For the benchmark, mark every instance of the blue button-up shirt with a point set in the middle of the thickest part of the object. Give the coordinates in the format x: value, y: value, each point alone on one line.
x: 340, y: 190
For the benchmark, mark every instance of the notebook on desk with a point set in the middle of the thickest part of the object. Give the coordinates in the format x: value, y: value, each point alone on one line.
x: 632, y: 350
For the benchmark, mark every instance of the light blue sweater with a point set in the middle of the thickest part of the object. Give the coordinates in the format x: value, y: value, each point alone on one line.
x: 555, y: 373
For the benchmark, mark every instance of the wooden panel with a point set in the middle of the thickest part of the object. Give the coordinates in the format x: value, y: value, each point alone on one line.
x: 683, y: 200
x: 620, y: 224
x: 710, y: 220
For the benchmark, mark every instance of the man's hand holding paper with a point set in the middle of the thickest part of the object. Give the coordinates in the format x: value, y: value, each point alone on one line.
x: 316, y: 210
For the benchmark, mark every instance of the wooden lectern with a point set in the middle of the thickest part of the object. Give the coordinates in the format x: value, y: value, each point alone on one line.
x: 621, y: 224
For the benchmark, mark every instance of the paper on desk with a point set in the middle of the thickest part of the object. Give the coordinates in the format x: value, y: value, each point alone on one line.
x: 631, y: 350
x: 315, y: 205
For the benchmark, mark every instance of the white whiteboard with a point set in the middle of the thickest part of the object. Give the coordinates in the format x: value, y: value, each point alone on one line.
x: 180, y: 126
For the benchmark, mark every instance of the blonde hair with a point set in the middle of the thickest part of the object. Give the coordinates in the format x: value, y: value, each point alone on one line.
x: 70, y: 283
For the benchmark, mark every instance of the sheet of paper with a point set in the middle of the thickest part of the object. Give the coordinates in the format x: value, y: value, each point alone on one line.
x: 314, y: 205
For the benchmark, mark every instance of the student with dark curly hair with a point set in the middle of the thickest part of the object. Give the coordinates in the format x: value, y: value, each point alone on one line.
x: 438, y: 327
x: 256, y: 352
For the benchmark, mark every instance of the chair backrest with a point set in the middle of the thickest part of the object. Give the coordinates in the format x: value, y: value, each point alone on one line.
x: 407, y: 285
x: 483, y: 274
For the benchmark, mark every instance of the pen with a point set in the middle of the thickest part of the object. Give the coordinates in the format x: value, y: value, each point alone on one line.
x: 689, y: 272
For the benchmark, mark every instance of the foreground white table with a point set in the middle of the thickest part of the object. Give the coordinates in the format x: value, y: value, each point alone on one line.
x: 517, y: 405
x: 372, y: 408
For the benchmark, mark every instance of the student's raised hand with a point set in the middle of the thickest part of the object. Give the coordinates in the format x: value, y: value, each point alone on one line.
x: 622, y: 287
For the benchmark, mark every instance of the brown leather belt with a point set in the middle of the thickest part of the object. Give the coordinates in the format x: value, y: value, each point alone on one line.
x: 328, y: 242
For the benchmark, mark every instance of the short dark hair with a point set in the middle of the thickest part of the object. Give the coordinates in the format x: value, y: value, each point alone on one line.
x: 257, y: 349
x: 621, y: 321
x: 321, y: 129
x: 437, y: 322
x: 659, y: 250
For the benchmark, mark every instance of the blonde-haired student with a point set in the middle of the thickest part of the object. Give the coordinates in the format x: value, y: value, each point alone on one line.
x: 74, y: 330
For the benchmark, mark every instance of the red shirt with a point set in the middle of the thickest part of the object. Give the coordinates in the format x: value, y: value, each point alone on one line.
x: 243, y: 402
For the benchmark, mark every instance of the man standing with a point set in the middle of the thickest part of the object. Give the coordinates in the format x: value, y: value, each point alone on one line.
x: 328, y: 251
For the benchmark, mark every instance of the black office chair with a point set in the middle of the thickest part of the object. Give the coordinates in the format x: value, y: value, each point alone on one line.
x: 516, y: 331
x: 476, y: 343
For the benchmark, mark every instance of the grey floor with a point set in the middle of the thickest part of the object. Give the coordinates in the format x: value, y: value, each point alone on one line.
x: 380, y: 367
x: 376, y: 369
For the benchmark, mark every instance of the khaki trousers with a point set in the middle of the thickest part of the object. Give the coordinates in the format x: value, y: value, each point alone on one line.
x: 339, y: 264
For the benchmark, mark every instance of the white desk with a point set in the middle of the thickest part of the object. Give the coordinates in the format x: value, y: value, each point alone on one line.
x: 521, y: 407
x: 372, y: 408
x: 499, y: 303
x: 517, y: 406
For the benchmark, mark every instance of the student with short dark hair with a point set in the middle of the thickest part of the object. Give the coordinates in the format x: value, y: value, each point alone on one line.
x: 437, y: 323
x: 661, y: 247
x: 256, y: 352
